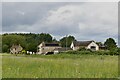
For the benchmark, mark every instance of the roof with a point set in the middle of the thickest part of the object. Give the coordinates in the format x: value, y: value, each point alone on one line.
x: 82, y: 43
x: 101, y: 45
x: 50, y: 44
x: 17, y: 47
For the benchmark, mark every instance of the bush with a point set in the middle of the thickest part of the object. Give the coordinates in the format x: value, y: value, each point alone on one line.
x: 72, y: 52
x: 114, y: 51
x: 82, y: 49
x: 24, y: 52
x: 106, y: 52
x: 102, y: 52
x: 79, y: 52
x: 5, y: 48
x: 118, y: 51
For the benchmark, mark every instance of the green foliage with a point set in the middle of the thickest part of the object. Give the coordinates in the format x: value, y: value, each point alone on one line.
x: 114, y: 51
x: 110, y: 43
x: 79, y: 52
x: 82, y: 49
x: 31, y: 47
x: 13, y: 39
x: 5, y: 48
x: 106, y: 52
x: 24, y: 52
x: 9, y: 40
x: 54, y: 40
x: 67, y: 41
x: 45, y: 37
x: 118, y: 51
x: 27, y: 41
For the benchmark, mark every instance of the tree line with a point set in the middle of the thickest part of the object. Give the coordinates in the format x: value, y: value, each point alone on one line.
x: 30, y: 41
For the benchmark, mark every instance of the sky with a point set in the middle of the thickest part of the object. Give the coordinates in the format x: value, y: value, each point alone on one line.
x: 83, y: 20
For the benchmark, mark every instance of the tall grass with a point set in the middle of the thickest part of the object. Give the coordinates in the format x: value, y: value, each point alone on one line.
x: 60, y: 66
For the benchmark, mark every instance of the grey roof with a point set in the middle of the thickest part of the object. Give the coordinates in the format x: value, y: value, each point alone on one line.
x: 50, y: 44
x: 17, y: 47
x: 82, y: 43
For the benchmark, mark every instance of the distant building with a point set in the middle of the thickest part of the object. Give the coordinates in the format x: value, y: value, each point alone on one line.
x: 75, y: 45
x: 45, y: 48
x: 102, y: 46
x: 15, y: 49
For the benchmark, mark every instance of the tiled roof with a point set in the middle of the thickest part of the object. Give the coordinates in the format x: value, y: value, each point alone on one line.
x: 82, y: 43
x: 15, y: 46
x: 51, y: 44
x: 54, y: 44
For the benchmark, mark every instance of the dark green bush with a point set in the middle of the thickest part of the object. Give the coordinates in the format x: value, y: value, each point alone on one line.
x: 72, y: 52
x: 82, y: 49
x: 104, y: 52
x: 118, y: 51
x: 115, y: 51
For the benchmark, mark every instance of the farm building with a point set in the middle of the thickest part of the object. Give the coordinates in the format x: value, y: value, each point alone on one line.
x: 44, y: 48
x: 102, y: 46
x: 75, y: 45
x: 16, y: 49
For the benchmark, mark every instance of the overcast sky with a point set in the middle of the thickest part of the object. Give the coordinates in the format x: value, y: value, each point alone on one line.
x: 86, y: 21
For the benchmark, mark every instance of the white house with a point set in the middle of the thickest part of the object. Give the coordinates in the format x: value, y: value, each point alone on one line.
x: 44, y: 48
x: 75, y: 45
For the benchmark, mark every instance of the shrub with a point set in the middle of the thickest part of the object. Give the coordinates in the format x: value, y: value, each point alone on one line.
x: 101, y: 52
x: 79, y: 52
x: 72, y: 52
x: 24, y: 52
x: 105, y: 52
x: 118, y: 51
x: 114, y: 51
x: 82, y: 49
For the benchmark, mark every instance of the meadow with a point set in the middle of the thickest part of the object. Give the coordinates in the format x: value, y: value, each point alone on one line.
x: 59, y: 66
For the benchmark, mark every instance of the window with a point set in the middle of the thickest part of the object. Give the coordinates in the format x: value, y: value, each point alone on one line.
x: 93, y: 47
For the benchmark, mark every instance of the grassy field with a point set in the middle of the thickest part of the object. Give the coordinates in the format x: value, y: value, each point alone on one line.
x: 59, y: 66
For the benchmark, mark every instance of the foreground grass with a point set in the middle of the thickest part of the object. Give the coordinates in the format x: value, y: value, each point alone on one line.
x: 59, y: 66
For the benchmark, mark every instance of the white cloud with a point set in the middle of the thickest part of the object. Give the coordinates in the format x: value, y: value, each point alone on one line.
x: 89, y: 20
x: 21, y: 12
x: 96, y: 21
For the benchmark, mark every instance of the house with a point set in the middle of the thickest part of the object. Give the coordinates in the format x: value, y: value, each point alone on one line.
x: 75, y: 45
x: 63, y: 49
x: 45, y: 48
x: 15, y: 49
x: 102, y: 46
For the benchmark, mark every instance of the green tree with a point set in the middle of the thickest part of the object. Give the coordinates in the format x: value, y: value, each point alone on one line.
x: 45, y: 37
x: 10, y: 39
x: 5, y: 48
x: 110, y: 44
x: 29, y: 41
x: 66, y: 41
